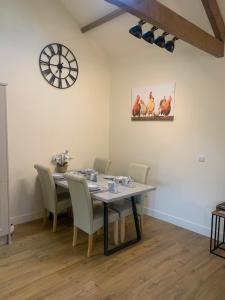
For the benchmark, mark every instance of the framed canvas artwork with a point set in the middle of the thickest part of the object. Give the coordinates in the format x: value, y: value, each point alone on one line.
x: 153, y: 103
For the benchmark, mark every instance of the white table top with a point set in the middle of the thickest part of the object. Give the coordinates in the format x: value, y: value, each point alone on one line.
x: 123, y: 191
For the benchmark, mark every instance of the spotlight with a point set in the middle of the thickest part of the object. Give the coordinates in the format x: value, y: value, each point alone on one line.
x: 137, y: 29
x: 170, y: 45
x: 160, y: 41
x: 149, y: 35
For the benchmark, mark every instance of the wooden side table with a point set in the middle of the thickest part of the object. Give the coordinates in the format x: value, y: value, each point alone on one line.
x: 217, y: 238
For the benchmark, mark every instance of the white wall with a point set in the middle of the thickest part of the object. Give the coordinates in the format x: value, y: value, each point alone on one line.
x: 43, y: 120
x: 187, y: 191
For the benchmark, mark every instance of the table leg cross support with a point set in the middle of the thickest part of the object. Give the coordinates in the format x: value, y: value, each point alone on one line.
x: 108, y: 251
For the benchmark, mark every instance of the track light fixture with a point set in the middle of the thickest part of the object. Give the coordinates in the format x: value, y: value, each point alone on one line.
x: 149, y: 36
x: 170, y: 45
x: 137, y: 29
x: 160, y: 41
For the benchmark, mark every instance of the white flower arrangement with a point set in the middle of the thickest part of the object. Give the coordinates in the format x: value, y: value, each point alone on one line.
x: 61, y: 159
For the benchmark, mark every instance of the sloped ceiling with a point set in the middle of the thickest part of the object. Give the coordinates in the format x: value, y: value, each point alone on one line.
x: 113, y: 36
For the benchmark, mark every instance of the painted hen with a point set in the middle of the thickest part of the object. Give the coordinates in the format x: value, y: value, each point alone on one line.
x: 165, y: 106
x: 143, y: 108
x: 137, y: 107
x: 151, y: 105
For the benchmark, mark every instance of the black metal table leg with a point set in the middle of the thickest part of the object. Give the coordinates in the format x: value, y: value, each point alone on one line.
x: 215, y: 243
x: 108, y: 251
x: 137, y: 226
x: 211, y: 235
x: 215, y: 234
x: 223, y: 230
x: 218, y: 233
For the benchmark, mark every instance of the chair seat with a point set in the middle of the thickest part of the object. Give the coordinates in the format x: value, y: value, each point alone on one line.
x: 124, y: 207
x: 63, y: 202
x: 98, y: 217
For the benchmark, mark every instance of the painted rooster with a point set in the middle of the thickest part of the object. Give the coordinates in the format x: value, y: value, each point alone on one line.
x: 143, y: 108
x: 165, y: 106
x: 151, y: 105
x: 137, y: 107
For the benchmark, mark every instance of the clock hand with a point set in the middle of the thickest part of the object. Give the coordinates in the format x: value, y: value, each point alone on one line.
x: 48, y: 64
x: 72, y: 69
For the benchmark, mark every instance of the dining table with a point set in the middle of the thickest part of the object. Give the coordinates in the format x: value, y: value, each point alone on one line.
x: 103, y: 195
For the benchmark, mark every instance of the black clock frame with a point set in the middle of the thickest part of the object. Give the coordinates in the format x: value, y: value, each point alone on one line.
x: 60, y: 66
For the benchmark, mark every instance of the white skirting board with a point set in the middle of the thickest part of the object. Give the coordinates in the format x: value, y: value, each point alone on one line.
x: 203, y: 230
x: 148, y: 211
x: 26, y: 218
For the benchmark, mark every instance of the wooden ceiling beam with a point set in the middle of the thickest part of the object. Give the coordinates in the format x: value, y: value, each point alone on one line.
x: 161, y: 16
x: 215, y: 18
x: 116, y: 13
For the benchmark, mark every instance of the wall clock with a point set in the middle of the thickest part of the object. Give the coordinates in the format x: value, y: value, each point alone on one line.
x: 58, y: 66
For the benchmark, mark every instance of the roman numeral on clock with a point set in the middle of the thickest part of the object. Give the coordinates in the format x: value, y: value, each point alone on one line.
x: 67, y: 82
x: 60, y: 83
x: 46, y: 72
x: 46, y: 54
x: 71, y: 77
x: 45, y: 63
x: 51, y: 50
x: 52, y: 79
x: 59, y: 46
x: 73, y: 69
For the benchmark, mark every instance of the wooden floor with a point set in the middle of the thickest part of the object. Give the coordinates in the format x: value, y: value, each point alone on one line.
x: 169, y: 263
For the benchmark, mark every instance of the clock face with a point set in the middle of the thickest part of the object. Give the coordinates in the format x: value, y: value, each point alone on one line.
x: 58, y: 66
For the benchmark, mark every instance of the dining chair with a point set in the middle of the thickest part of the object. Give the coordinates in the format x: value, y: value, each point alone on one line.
x: 87, y: 217
x: 139, y: 173
x: 101, y: 165
x: 53, y: 202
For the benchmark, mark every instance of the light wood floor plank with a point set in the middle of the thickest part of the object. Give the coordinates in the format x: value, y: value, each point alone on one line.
x: 169, y: 263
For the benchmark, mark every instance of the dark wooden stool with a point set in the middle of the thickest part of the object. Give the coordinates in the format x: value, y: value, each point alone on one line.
x: 217, y: 247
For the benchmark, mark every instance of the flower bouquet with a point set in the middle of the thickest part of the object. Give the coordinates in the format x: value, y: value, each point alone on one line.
x: 61, y: 160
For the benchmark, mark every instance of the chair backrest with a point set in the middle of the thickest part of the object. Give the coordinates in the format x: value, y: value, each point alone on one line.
x: 81, y: 202
x: 101, y: 165
x: 138, y: 172
x: 47, y: 187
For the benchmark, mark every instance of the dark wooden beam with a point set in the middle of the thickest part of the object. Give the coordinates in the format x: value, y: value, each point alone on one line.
x: 116, y: 13
x: 215, y: 18
x: 161, y: 16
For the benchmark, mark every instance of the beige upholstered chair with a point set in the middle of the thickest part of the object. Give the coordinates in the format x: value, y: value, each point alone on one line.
x: 53, y: 202
x: 101, y: 165
x: 139, y: 173
x: 86, y: 217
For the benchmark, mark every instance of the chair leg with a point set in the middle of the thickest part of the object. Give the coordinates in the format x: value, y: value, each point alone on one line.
x: 45, y: 217
x: 74, y: 236
x: 69, y: 212
x: 116, y: 233
x: 142, y: 223
x: 122, y: 229
x: 54, y: 222
x: 90, y: 245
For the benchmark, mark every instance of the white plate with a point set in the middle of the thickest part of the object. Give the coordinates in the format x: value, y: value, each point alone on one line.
x: 58, y: 175
x: 93, y: 187
x: 109, y: 177
x: 86, y: 171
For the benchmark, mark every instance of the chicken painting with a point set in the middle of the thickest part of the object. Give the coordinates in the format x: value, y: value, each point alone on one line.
x: 165, y: 106
x: 143, y: 108
x: 151, y: 105
x: 136, y: 107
